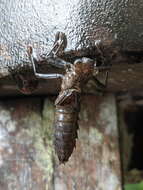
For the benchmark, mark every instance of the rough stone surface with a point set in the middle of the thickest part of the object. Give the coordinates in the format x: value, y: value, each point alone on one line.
x: 36, y: 22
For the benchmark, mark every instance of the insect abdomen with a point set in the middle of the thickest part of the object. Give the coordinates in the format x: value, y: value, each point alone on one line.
x: 66, y: 126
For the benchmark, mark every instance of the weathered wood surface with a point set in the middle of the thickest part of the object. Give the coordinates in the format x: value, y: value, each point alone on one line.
x: 25, y: 163
x: 122, y: 78
x: 130, y: 109
x: 27, y: 159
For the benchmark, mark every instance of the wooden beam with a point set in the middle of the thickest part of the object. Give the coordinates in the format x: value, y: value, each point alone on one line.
x: 123, y: 77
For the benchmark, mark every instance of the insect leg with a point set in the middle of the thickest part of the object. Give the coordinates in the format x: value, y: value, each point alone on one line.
x: 99, y: 85
x: 45, y: 76
x: 41, y: 75
x: 59, y: 44
x: 58, y: 63
x: 58, y: 49
x: 106, y: 78
x: 52, y: 49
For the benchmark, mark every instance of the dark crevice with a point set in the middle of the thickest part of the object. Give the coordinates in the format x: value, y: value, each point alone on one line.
x: 134, y: 121
x: 134, y: 57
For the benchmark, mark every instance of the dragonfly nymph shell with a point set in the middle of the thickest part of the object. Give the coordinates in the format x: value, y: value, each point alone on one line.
x: 66, y: 126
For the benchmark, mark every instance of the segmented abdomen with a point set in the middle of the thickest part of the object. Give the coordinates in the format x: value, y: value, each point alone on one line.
x: 66, y: 126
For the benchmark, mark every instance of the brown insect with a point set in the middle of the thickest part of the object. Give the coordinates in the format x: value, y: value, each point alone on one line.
x: 68, y: 106
x: 68, y: 101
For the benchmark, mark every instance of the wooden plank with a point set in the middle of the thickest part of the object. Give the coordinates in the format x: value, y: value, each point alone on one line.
x: 25, y: 162
x: 122, y: 78
x: 95, y: 163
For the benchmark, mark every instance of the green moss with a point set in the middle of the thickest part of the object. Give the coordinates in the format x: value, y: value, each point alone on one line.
x: 137, y: 186
x: 48, y: 119
x: 95, y: 136
x: 40, y: 133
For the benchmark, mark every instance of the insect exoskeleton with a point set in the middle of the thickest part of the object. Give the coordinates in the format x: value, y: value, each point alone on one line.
x: 66, y: 126
x: 68, y: 106
x: 77, y: 74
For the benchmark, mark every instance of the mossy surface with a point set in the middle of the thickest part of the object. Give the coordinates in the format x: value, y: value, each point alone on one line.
x: 39, y: 135
x: 137, y: 186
